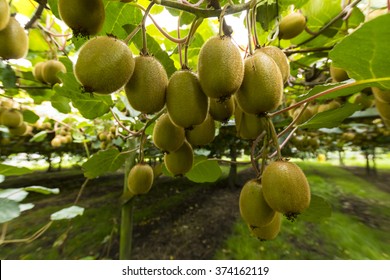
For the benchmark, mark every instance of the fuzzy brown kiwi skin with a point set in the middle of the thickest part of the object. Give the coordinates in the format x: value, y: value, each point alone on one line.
x: 280, y: 58
x: 286, y: 188
x: 13, y: 40
x: 180, y: 161
x: 4, y: 14
x: 291, y: 25
x: 262, y: 88
x: 220, y: 67
x: 221, y: 110
x: 146, y: 89
x: 186, y: 102
x: 167, y: 136
x: 203, y: 133
x: 140, y: 179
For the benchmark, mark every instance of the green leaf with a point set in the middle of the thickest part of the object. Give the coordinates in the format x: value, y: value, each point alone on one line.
x: 61, y: 103
x: 9, y: 170
x: 67, y: 213
x: 7, y: 76
x: 42, y: 190
x: 318, y: 210
x: 364, y: 53
x: 90, y: 106
x: 30, y: 116
x: 15, y: 194
x: 39, y: 137
x: 102, y: 162
x: 54, y: 7
x: 331, y: 118
x: 204, y: 170
x: 9, y: 210
x: 36, y: 41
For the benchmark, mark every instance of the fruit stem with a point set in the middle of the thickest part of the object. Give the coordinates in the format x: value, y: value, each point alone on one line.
x: 144, y: 50
x: 255, y: 36
x: 248, y: 23
x: 194, y: 26
x: 253, y: 158
x: 274, y: 137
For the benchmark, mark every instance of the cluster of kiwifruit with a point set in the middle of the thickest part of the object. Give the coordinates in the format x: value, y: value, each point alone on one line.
x: 63, y: 136
x: 46, y: 71
x: 106, y: 136
x: 13, y: 119
x: 13, y: 38
x: 305, y: 141
x: 282, y: 190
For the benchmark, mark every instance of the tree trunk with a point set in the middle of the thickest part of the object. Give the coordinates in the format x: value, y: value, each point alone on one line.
x: 126, y: 231
x: 367, y: 155
x: 233, y: 167
x: 341, y: 158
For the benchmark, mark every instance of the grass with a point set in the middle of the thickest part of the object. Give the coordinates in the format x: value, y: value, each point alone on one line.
x: 357, y: 229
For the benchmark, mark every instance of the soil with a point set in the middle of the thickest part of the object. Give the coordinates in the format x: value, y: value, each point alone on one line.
x: 192, y: 229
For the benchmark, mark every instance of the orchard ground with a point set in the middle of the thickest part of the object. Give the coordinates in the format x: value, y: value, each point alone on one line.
x: 180, y: 219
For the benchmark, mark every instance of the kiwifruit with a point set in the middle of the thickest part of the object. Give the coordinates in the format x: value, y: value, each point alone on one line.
x: 7, y: 103
x: 220, y: 67
x: 381, y: 95
x: 221, y: 110
x: 4, y: 14
x: 56, y: 142
x: 348, y: 136
x: 249, y: 126
x: 50, y: 70
x: 363, y: 100
x: 167, y: 136
x: 38, y: 71
x: 11, y: 118
x: 203, y: 133
x: 146, y: 89
x: 270, y: 231
x: 104, y: 65
x: 291, y: 25
x: 306, y: 115
x: 186, y: 103
x: 382, y: 107
x: 13, y: 41
x: 180, y: 161
x: 334, y: 104
x: 280, y: 58
x: 140, y: 179
x: 262, y: 88
x: 20, y: 130
x: 338, y: 74
x: 84, y: 17
x: 286, y: 188
x: 254, y: 210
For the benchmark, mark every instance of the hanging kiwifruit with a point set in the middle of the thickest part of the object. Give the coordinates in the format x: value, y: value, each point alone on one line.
x: 50, y: 69
x: 11, y: 118
x: 4, y: 14
x: 269, y: 231
x: 279, y: 57
x: 140, y: 179
x: 104, y: 65
x: 262, y: 88
x: 180, y: 161
x: 167, y: 136
x: 84, y: 17
x: 221, y: 110
x: 146, y: 89
x: 291, y: 25
x: 220, y: 67
x: 253, y: 208
x: 249, y: 126
x: 203, y: 133
x: 286, y: 188
x: 186, y: 103
x: 13, y: 41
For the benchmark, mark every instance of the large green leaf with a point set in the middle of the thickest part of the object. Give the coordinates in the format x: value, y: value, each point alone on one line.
x: 29, y: 116
x: 61, y: 103
x: 9, y: 210
x: 318, y: 210
x: 331, y: 118
x: 364, y: 54
x: 15, y: 194
x: 102, y: 162
x: 42, y: 190
x: 204, y: 170
x: 9, y: 170
x: 89, y: 105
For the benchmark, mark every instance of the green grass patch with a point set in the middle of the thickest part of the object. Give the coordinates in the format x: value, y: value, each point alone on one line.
x: 357, y: 229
